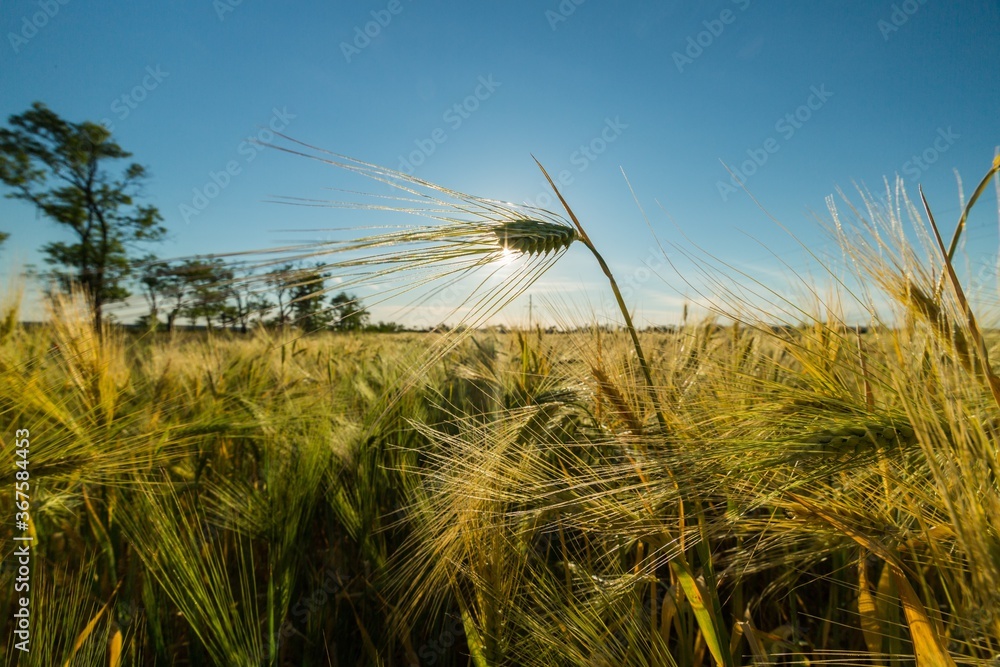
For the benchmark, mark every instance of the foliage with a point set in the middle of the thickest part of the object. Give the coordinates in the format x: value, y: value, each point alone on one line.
x: 307, y: 289
x: 207, y: 284
x: 348, y: 313
x: 278, y: 280
x: 163, y: 287
x: 60, y: 168
x: 247, y: 302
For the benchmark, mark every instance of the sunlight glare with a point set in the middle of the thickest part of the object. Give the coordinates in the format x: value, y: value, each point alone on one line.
x: 507, y: 256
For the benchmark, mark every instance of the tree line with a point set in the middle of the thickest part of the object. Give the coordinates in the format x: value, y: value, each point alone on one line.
x: 66, y: 171
x: 221, y: 295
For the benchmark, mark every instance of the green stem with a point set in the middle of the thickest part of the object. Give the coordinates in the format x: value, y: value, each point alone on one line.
x: 643, y: 365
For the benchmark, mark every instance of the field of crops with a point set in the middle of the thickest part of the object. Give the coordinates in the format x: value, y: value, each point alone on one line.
x: 798, y: 494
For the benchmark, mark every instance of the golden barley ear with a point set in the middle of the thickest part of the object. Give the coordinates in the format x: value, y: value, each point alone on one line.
x: 620, y: 408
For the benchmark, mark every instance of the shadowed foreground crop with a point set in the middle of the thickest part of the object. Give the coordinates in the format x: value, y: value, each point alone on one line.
x: 814, y: 494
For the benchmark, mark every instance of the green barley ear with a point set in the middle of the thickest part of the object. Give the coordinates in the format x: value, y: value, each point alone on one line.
x: 532, y: 237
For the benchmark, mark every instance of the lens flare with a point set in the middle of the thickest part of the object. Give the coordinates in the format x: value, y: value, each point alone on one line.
x: 507, y: 256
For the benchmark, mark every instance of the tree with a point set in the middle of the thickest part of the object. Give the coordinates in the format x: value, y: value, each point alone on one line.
x: 278, y: 279
x: 308, y: 287
x: 206, y: 284
x: 164, y: 286
x: 387, y: 327
x: 3, y: 237
x: 58, y: 166
x: 348, y: 313
x: 247, y: 301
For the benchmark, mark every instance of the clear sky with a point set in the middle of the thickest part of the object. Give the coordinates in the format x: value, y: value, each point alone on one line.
x: 821, y: 94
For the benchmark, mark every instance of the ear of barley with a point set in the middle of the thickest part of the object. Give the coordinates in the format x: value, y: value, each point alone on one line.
x: 607, y: 390
x: 488, y: 251
x: 533, y: 237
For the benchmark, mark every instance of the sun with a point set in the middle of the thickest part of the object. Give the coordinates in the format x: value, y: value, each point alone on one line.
x: 507, y: 256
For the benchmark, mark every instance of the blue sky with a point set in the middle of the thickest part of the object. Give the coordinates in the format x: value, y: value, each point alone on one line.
x: 820, y: 94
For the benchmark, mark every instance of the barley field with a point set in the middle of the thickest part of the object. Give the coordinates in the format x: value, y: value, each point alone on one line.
x: 768, y: 484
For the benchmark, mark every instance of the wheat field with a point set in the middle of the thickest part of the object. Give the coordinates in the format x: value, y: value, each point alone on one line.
x: 768, y: 484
